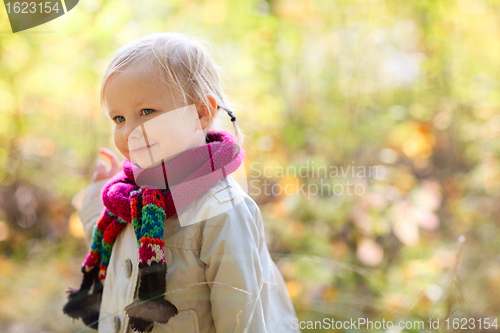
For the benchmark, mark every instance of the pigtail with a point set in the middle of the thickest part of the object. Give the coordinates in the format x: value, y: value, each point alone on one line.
x: 239, y: 135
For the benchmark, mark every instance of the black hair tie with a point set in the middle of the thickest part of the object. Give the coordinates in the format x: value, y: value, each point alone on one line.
x: 229, y: 112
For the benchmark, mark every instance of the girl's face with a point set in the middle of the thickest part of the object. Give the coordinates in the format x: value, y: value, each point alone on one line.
x: 149, y: 125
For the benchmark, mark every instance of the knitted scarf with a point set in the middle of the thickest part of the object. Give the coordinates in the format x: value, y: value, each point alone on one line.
x: 143, y: 198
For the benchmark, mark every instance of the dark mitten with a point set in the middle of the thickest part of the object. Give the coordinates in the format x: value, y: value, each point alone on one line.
x: 151, y: 306
x: 85, y: 305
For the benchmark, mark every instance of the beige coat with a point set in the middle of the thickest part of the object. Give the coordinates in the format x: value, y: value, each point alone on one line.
x: 219, y: 271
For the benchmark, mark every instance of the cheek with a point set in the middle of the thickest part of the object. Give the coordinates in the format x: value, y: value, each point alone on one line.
x: 154, y: 130
x: 120, y: 142
x: 174, y: 132
x: 116, y: 138
x: 171, y: 128
x: 168, y: 135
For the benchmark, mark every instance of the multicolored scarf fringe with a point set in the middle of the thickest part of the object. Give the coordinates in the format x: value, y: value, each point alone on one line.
x: 147, y: 216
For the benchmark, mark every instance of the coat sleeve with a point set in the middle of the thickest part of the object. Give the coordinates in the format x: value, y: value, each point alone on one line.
x: 89, y: 204
x: 231, y: 243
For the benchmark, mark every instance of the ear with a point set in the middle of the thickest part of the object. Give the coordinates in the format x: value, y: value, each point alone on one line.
x: 206, y: 115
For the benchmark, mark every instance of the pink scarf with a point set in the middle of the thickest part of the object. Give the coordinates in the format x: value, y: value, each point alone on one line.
x: 194, y: 172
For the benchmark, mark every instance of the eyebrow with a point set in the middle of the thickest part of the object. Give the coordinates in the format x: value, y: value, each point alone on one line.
x: 140, y: 106
x: 112, y: 114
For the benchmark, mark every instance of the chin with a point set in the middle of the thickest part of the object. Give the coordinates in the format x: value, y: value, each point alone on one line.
x: 149, y: 165
x: 145, y: 163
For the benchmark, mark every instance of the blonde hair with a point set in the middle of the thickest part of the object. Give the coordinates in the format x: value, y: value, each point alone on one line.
x: 183, y: 62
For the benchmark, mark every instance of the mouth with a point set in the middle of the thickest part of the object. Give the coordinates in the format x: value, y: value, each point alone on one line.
x: 143, y: 149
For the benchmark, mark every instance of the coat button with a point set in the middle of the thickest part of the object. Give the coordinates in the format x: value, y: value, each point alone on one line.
x: 128, y: 267
x: 118, y: 323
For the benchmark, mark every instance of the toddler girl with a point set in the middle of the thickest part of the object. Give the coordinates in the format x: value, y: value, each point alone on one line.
x: 176, y: 245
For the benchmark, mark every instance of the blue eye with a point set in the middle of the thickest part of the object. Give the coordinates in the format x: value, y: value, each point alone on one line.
x: 119, y: 119
x: 147, y: 111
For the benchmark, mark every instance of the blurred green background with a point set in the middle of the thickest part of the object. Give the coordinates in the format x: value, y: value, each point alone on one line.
x: 408, y: 86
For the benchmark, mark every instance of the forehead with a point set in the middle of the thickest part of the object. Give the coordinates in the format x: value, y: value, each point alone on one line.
x: 136, y: 86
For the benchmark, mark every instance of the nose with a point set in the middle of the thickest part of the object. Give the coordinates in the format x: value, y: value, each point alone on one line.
x: 132, y: 131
